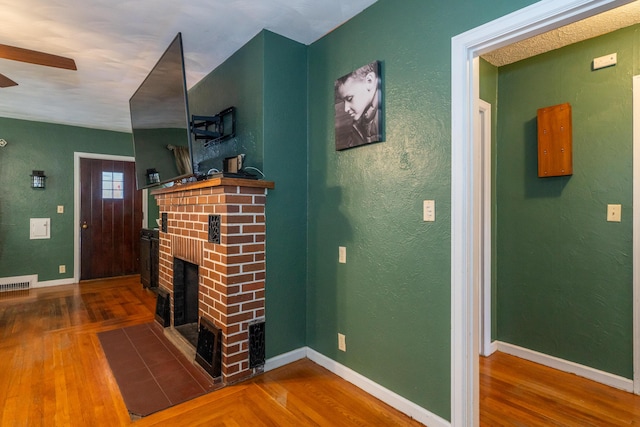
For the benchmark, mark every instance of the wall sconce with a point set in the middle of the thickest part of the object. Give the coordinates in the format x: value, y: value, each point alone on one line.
x: 37, y: 179
x: 153, y: 177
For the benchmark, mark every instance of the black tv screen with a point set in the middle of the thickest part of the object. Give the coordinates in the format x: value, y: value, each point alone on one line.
x: 160, y: 122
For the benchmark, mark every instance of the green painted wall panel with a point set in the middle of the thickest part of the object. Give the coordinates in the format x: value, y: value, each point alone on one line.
x: 285, y: 163
x: 238, y: 82
x: 48, y: 147
x: 392, y: 297
x: 266, y: 81
x: 564, y: 273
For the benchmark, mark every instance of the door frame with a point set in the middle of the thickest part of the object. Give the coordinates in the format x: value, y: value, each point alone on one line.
x: 466, y: 172
x: 483, y: 132
x: 636, y: 234
x: 76, y: 202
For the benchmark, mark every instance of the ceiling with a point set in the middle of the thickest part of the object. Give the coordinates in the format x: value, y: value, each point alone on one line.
x: 115, y: 44
x: 595, y: 26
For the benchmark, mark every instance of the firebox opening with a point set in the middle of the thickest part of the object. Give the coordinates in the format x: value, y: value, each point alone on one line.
x: 185, y: 299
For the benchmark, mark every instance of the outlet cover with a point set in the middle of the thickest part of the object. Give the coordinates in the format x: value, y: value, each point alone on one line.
x: 62, y: 269
x: 342, y: 342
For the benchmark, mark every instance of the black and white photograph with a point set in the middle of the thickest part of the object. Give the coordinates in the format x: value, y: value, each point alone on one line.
x: 358, y: 107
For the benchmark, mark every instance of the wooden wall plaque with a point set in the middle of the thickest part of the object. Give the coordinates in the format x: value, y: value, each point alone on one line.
x: 555, y: 154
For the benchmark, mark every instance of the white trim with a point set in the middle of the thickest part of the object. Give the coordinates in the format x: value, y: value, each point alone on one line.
x: 484, y: 139
x: 465, y: 172
x: 567, y: 366
x: 284, y: 359
x: 376, y: 390
x: 58, y: 282
x: 76, y: 201
x: 636, y: 234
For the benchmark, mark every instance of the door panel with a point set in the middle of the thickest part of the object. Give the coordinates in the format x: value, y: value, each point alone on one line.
x: 110, y: 220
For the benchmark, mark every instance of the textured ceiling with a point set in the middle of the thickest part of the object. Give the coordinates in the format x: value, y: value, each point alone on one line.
x: 595, y: 26
x: 115, y: 44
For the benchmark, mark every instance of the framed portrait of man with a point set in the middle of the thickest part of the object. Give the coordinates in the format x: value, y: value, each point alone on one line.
x: 358, y: 107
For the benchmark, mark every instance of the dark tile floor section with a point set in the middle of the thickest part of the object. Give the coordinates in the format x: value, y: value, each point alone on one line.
x: 151, y: 373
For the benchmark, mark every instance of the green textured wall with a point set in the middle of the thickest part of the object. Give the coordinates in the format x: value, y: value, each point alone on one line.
x: 48, y: 147
x: 266, y: 81
x: 285, y: 163
x: 238, y: 82
x: 392, y: 297
x: 564, y: 272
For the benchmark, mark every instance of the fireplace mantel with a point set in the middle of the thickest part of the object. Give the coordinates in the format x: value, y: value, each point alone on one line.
x: 219, y: 225
x: 216, y: 182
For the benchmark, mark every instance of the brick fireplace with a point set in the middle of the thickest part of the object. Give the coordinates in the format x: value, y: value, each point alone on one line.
x: 219, y: 225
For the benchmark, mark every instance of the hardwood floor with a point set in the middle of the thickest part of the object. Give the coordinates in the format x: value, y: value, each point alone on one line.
x: 54, y: 372
x: 516, y: 392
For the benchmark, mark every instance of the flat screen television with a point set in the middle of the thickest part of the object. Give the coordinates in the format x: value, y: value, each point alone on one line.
x: 160, y: 122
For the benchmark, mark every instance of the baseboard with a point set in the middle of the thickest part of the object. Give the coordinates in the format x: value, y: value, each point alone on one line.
x: 285, y: 359
x: 58, y: 282
x: 567, y: 366
x: 392, y: 399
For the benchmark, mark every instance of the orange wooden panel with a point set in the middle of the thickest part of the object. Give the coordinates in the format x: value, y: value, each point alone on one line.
x: 555, y: 153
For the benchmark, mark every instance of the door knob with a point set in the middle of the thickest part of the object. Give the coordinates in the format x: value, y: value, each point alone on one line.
x: 85, y: 225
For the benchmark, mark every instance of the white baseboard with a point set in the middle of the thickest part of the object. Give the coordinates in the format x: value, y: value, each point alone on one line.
x: 398, y: 402
x: 58, y: 282
x: 567, y: 366
x: 285, y: 359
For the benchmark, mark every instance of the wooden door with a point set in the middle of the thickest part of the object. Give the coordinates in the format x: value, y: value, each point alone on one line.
x: 110, y: 219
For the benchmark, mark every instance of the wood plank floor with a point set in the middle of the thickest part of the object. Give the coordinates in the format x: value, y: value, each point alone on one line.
x: 516, y: 392
x: 53, y: 371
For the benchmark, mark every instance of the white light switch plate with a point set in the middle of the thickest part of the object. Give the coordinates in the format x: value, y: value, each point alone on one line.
x: 429, y: 210
x: 614, y: 213
x: 342, y: 255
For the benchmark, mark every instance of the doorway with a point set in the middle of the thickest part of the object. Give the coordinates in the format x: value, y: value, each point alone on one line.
x: 466, y: 194
x: 116, y: 222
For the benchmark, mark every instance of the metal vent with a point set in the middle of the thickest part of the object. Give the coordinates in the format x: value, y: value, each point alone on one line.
x: 256, y: 344
x: 18, y: 283
x: 163, y: 308
x: 209, y: 348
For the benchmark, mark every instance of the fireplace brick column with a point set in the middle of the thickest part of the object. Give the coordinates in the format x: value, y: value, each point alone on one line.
x: 231, y: 273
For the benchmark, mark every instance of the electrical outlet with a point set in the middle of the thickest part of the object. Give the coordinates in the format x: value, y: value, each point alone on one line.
x: 342, y: 342
x: 342, y: 254
x: 62, y: 269
x: 60, y: 209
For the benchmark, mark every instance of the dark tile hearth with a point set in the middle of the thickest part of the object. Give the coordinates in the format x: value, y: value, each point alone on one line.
x: 151, y: 373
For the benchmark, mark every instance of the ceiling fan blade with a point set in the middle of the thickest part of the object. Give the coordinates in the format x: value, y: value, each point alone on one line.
x: 35, y: 57
x: 6, y: 81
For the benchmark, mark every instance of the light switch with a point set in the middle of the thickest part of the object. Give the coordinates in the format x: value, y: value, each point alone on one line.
x: 614, y: 213
x: 429, y: 210
x: 60, y: 209
x: 40, y: 228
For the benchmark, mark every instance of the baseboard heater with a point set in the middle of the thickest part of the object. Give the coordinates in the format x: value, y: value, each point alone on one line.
x: 17, y: 283
x: 209, y: 348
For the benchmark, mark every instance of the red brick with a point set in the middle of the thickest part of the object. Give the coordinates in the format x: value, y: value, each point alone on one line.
x: 258, y: 266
